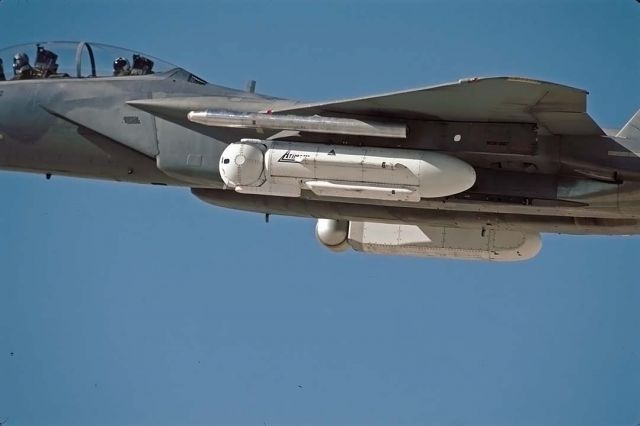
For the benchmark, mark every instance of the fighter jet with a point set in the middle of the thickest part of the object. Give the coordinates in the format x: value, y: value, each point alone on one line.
x: 474, y: 169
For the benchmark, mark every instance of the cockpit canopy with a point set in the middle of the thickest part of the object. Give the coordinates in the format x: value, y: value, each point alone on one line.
x: 82, y: 60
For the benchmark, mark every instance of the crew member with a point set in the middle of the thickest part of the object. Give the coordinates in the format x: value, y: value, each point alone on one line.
x: 121, y: 67
x: 141, y: 65
x: 21, y: 68
x: 46, y: 64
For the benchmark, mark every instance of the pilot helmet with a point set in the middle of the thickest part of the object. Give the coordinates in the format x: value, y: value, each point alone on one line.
x: 121, y: 64
x: 20, y: 60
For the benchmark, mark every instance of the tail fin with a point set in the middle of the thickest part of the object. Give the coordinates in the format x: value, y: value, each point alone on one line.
x: 631, y: 130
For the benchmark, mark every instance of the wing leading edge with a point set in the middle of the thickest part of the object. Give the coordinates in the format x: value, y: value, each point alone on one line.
x: 555, y: 108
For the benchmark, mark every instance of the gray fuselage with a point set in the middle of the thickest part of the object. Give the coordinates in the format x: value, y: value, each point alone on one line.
x: 84, y: 127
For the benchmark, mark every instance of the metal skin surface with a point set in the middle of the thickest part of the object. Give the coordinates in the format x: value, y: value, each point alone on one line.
x: 550, y: 170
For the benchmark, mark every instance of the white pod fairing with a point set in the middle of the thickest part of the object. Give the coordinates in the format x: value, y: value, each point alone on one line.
x: 333, y: 233
x: 428, y: 241
x: 243, y: 165
x: 443, y: 242
x: 286, y: 168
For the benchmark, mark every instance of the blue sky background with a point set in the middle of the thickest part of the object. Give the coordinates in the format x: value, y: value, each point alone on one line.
x: 127, y: 304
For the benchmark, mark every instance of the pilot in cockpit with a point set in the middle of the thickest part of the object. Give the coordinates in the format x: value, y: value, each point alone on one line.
x: 141, y: 65
x: 121, y: 67
x: 21, y: 68
x: 46, y: 65
x: 2, y: 76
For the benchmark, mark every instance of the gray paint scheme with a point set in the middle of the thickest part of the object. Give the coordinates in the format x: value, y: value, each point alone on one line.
x: 542, y: 163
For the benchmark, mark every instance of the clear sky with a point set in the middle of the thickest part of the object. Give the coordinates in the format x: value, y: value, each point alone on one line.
x: 126, y: 304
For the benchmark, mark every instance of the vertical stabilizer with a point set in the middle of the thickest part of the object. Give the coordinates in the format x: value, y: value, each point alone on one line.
x: 631, y: 130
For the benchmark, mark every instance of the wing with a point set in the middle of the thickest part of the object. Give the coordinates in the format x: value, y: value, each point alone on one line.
x: 556, y: 109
